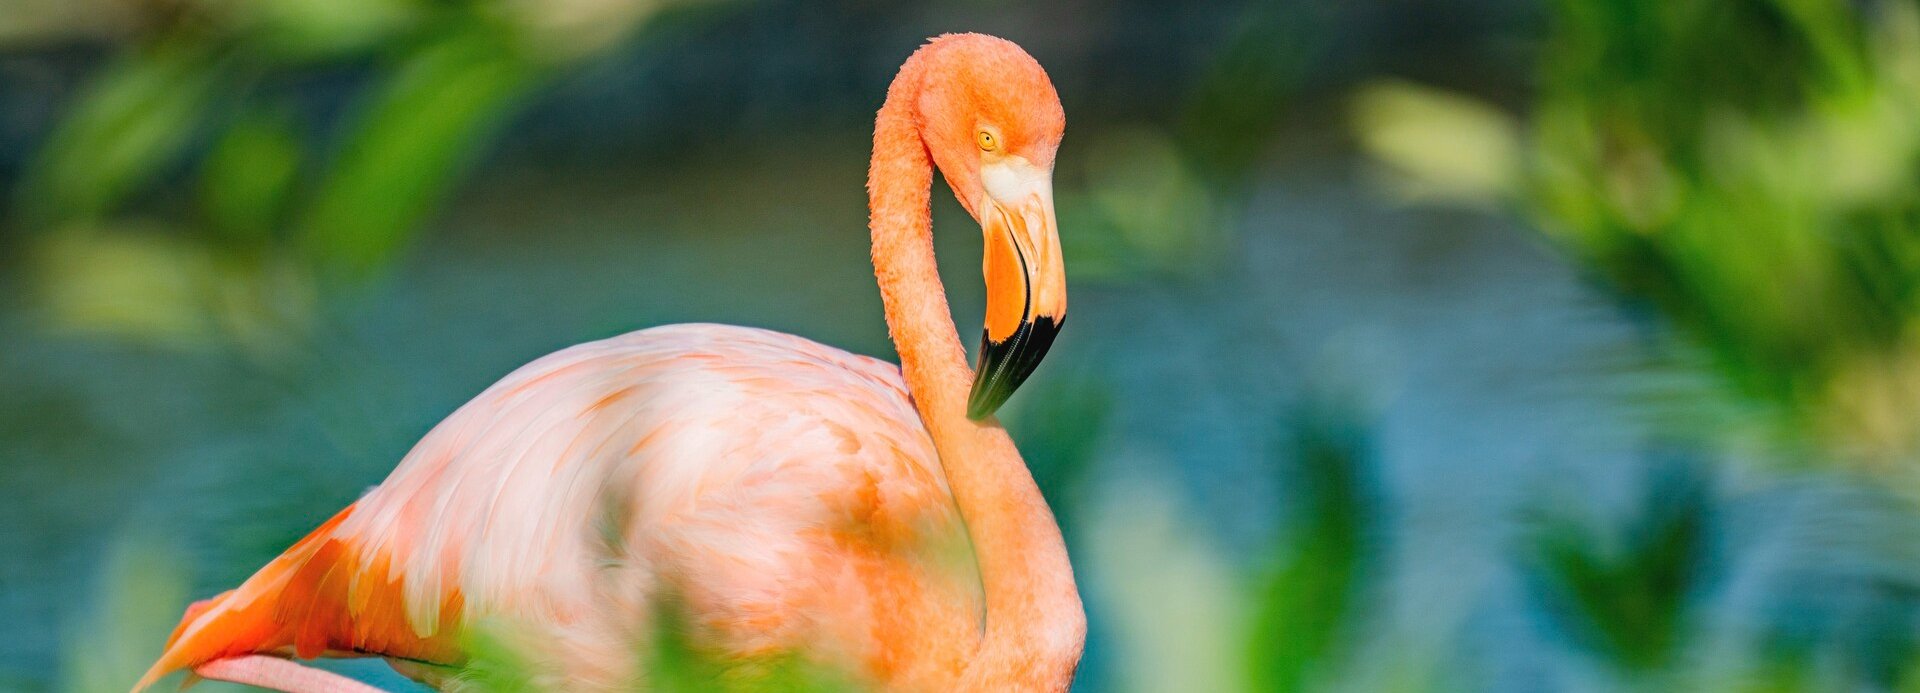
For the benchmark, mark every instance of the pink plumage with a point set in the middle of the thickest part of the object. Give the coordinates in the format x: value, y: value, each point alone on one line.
x: 793, y: 498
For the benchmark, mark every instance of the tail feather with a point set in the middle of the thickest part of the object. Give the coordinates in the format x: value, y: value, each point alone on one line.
x: 298, y: 605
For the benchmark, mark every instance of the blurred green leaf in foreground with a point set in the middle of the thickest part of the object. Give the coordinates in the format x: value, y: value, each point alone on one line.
x: 1750, y: 170
x: 1628, y: 593
x: 277, y: 214
x: 142, y: 590
x: 1309, y: 600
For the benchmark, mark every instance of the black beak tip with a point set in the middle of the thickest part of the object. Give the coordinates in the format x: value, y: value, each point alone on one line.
x: 1004, y: 365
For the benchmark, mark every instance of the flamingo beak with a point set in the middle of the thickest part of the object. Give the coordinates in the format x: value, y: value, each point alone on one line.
x: 1026, y: 280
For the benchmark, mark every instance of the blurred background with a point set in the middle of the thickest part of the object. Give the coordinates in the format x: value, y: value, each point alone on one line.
x: 1418, y: 345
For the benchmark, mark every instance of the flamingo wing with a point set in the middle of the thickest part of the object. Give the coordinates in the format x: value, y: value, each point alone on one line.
x: 771, y: 480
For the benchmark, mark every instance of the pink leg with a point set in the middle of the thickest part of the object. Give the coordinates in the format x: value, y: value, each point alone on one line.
x: 280, y: 675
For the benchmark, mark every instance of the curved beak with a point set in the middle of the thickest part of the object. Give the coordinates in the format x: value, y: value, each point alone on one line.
x: 1026, y: 281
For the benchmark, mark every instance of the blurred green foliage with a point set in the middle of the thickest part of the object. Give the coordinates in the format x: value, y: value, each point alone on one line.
x: 1749, y: 169
x: 131, y: 121
x: 1308, y: 603
x: 674, y: 662
x: 1240, y: 96
x: 142, y: 586
x: 1749, y: 172
x: 278, y: 215
x: 1059, y: 426
x: 1628, y: 594
x: 1752, y: 176
x: 670, y: 661
x: 249, y: 176
x: 1162, y: 202
x: 413, y: 137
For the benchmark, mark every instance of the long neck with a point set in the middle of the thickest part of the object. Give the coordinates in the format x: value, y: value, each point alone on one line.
x: 1034, y: 626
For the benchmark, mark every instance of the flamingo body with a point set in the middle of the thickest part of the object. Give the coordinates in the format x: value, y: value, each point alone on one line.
x: 788, y: 486
x: 793, y: 498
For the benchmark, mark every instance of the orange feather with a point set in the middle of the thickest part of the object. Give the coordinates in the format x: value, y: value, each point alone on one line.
x: 299, y: 604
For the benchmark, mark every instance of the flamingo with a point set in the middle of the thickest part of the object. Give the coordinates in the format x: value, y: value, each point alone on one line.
x: 786, y: 493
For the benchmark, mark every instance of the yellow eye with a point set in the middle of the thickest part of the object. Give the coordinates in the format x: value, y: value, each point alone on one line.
x: 987, y: 141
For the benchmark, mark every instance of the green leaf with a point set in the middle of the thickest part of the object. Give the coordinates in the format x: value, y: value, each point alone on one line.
x: 141, y: 596
x: 147, y: 285
x: 248, y: 177
x: 409, y: 146
x: 1626, y: 594
x: 138, y: 603
x: 128, y: 125
x: 1445, y: 146
x: 1309, y: 599
x: 299, y: 30
x: 1240, y: 96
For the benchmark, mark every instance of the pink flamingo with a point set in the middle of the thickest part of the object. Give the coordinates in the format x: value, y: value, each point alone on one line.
x: 792, y: 496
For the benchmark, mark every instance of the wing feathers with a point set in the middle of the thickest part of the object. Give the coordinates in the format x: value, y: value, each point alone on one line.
x: 724, y: 455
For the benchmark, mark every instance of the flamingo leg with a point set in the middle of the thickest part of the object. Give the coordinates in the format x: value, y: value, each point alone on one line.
x: 281, y: 675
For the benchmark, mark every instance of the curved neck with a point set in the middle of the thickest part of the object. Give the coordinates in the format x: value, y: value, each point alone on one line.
x: 1034, y: 626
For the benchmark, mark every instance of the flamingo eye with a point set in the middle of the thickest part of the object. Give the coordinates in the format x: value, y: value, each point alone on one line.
x: 987, y: 141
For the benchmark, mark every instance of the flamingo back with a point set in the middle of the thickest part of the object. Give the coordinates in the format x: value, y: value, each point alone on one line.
x: 785, y: 492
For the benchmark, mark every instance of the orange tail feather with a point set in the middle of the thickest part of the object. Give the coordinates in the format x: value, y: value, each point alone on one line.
x: 298, y: 605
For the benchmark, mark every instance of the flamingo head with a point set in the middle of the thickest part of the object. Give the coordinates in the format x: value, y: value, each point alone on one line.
x: 992, y: 122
